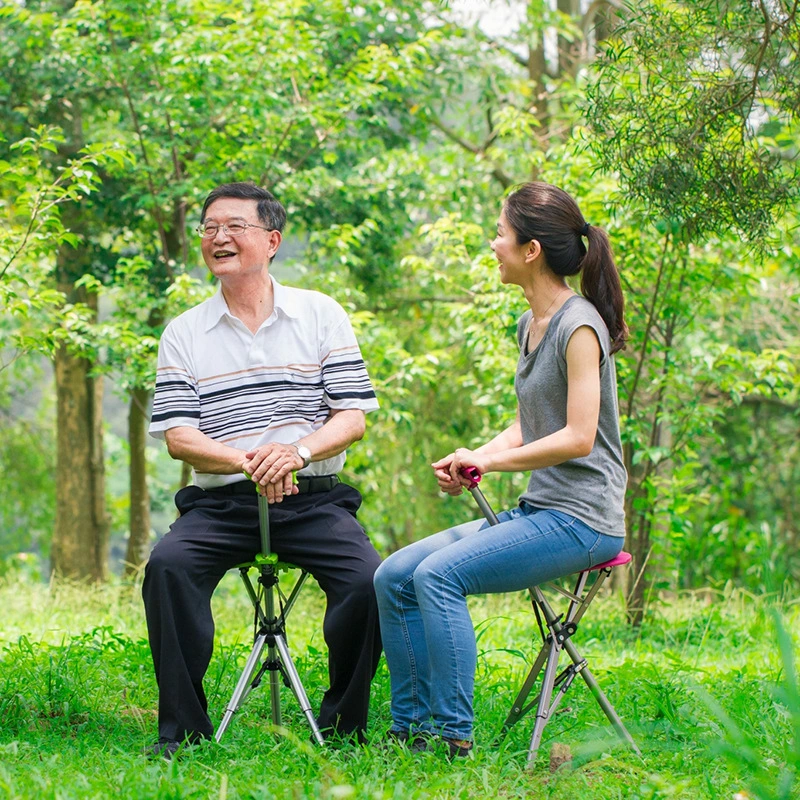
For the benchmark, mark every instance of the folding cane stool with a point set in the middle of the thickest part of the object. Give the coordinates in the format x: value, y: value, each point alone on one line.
x: 270, y: 632
x: 558, y: 636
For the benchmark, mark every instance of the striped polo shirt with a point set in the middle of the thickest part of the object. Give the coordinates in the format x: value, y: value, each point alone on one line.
x: 246, y: 389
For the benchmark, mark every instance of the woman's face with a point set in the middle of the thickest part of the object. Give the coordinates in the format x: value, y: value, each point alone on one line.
x: 511, y: 256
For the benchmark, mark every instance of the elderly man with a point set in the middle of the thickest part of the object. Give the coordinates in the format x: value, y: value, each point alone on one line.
x: 260, y: 379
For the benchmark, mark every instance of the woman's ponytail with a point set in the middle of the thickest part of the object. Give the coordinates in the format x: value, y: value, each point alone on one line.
x: 600, y: 285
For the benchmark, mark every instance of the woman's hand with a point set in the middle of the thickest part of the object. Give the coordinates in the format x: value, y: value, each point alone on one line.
x: 441, y: 469
x: 448, y: 469
x: 463, y: 458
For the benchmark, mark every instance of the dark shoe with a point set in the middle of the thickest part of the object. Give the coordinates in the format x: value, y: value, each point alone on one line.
x: 163, y: 748
x: 434, y: 743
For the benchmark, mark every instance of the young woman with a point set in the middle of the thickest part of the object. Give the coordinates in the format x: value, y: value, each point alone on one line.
x: 566, y: 433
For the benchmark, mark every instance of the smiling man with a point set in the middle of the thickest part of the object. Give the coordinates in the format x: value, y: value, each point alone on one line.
x: 260, y: 379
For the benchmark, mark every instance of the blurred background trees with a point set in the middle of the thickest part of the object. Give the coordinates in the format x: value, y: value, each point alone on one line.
x: 391, y: 132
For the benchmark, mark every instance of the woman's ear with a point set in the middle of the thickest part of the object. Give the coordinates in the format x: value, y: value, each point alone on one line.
x: 533, y: 251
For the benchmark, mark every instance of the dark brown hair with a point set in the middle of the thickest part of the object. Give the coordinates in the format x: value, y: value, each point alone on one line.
x: 269, y: 210
x: 550, y: 216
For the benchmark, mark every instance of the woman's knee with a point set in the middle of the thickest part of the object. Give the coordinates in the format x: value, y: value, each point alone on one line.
x: 430, y: 570
x: 435, y: 577
x: 393, y: 573
x: 383, y: 578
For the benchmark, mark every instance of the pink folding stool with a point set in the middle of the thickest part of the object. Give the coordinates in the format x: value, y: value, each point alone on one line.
x: 557, y: 631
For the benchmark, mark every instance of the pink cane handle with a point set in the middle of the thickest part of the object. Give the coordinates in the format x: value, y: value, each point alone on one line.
x: 472, y: 475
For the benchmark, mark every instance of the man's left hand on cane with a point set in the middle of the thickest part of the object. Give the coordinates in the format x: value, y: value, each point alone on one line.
x: 271, y: 466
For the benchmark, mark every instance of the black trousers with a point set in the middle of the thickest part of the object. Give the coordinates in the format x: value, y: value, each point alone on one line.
x: 216, y: 531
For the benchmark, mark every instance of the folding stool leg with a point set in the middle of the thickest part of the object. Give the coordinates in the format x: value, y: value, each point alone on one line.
x: 549, y: 653
x: 579, y: 665
x: 243, y: 686
x: 519, y: 709
x: 544, y: 708
x: 601, y: 699
x: 274, y: 689
x: 293, y: 680
x: 272, y: 624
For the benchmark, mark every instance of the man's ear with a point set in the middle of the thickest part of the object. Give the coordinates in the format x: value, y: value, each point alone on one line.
x: 533, y: 251
x: 275, y: 239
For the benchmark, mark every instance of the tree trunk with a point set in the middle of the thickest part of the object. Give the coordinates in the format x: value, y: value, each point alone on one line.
x: 80, y: 539
x: 570, y: 53
x: 139, y: 526
x: 604, y: 18
x: 639, y: 548
x: 637, y: 539
x: 537, y: 77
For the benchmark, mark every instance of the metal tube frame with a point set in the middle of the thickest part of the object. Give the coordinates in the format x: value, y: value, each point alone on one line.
x: 560, y: 629
x: 270, y: 633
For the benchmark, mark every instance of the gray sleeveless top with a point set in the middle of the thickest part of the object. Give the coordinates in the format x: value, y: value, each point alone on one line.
x: 591, y: 488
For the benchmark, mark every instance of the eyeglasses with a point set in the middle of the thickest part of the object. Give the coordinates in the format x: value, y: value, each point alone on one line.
x: 209, y: 231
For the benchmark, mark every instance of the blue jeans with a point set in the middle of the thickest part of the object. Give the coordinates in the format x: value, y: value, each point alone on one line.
x: 428, y: 636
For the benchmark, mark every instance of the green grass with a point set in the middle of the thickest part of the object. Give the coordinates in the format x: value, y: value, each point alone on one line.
x: 706, y: 687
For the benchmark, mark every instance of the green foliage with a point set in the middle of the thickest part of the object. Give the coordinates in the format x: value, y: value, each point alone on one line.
x: 33, y: 193
x: 740, y: 743
x: 26, y: 469
x: 693, y: 105
x: 390, y: 135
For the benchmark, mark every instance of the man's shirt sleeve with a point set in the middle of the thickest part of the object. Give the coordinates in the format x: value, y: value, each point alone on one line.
x: 176, y: 401
x: 344, y: 374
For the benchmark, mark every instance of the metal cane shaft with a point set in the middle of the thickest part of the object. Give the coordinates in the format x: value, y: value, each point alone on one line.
x: 483, y: 505
x: 263, y: 524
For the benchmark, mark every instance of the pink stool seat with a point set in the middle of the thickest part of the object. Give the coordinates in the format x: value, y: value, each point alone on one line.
x: 617, y: 561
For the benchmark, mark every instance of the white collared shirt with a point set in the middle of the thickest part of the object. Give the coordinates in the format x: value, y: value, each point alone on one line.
x: 246, y: 389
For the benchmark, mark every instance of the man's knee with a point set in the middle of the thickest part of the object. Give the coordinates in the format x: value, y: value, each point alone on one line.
x: 169, y: 566
x: 164, y: 555
x: 360, y: 585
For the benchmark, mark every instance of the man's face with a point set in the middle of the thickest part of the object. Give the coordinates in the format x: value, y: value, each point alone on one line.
x: 249, y: 252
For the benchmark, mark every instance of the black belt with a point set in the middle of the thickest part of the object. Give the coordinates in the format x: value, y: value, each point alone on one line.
x: 307, y: 484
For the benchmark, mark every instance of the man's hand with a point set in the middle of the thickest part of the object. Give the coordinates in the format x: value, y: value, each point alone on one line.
x: 270, y: 467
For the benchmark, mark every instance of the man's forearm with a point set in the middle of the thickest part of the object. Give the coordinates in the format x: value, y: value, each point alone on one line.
x: 202, y: 452
x: 341, y: 429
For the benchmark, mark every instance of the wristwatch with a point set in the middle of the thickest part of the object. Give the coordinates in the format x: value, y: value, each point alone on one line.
x: 304, y: 453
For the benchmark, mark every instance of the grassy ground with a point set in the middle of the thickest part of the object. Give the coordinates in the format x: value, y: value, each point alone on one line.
x: 703, y: 687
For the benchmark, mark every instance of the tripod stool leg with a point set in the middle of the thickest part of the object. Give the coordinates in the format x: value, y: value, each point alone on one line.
x: 242, y: 687
x: 543, y: 711
x: 297, y: 687
x: 275, y: 686
x: 519, y: 709
x: 602, y: 700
